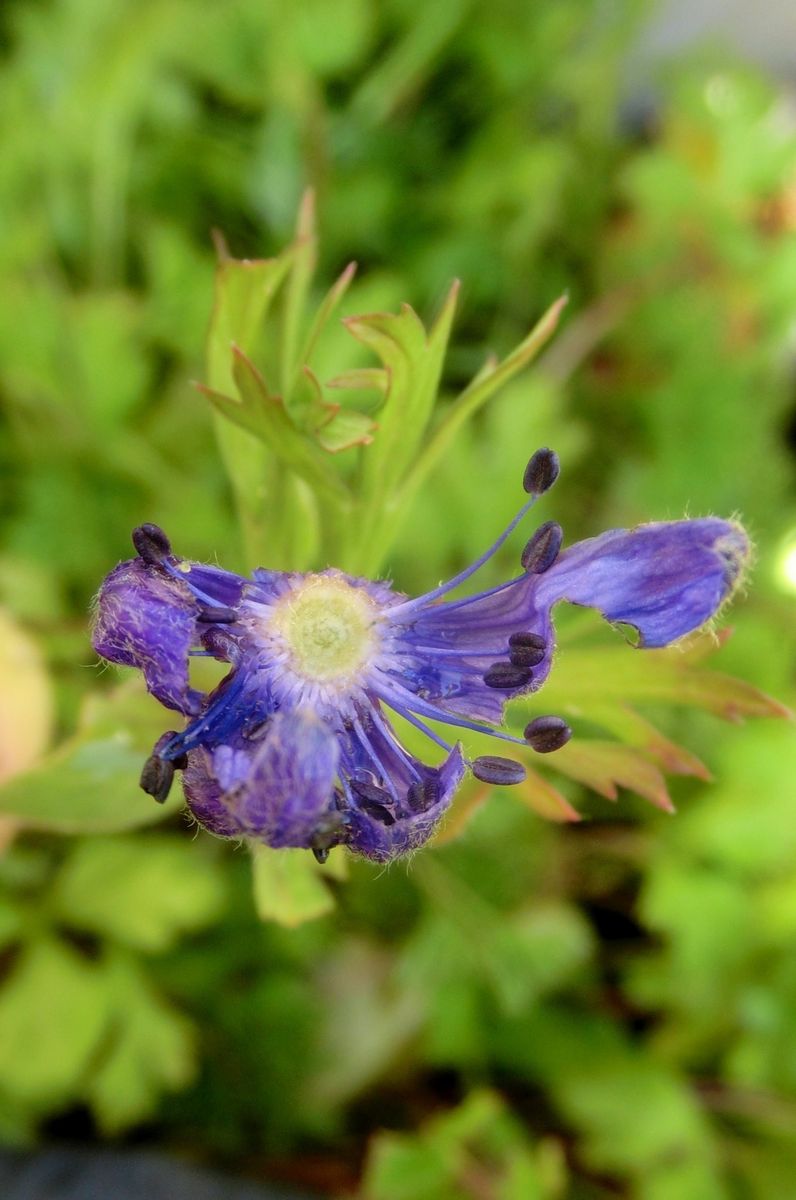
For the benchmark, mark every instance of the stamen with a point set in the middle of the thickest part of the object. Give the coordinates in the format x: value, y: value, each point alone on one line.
x: 380, y: 772
x: 452, y: 605
x: 545, y: 734
x: 406, y: 703
x: 542, y: 550
x: 373, y: 800
x: 157, y: 777
x: 184, y: 577
x: 526, y: 638
x: 328, y: 833
x: 421, y: 651
x: 503, y: 772
x: 151, y: 544
x: 217, y: 614
x: 540, y: 475
x: 421, y: 725
x: 505, y: 676
x: 541, y: 472
x: 526, y: 656
x: 422, y: 795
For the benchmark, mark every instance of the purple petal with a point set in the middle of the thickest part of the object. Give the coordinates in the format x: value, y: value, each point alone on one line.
x: 290, y: 789
x: 207, y: 796
x: 665, y: 579
x: 146, y: 619
x: 409, y: 830
x: 471, y: 636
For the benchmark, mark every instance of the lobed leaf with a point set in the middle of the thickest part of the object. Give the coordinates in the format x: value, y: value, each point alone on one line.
x: 585, y: 677
x: 264, y: 415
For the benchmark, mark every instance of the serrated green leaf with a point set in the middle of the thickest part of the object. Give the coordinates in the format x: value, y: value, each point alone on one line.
x: 302, y: 269
x: 583, y: 677
x: 413, y: 361
x: 606, y: 766
x: 628, y: 725
x: 363, y: 379
x: 540, y: 795
x: 245, y: 289
x: 326, y: 310
x: 475, y: 1149
x: 264, y: 415
x: 288, y: 888
x: 144, y: 892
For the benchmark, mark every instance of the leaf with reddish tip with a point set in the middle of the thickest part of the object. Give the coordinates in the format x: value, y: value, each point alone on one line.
x: 606, y: 766
x: 633, y: 729
x: 584, y: 678
x: 545, y: 800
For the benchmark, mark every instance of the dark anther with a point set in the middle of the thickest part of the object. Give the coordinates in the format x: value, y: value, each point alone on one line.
x: 422, y: 795
x: 157, y: 777
x: 180, y: 762
x: 329, y: 832
x: 377, y: 811
x: 541, y: 472
x: 501, y: 771
x: 542, y: 550
x: 151, y: 544
x: 526, y: 656
x: 373, y: 800
x: 369, y: 791
x: 545, y: 734
x: 525, y: 638
x: 506, y: 676
x: 216, y: 614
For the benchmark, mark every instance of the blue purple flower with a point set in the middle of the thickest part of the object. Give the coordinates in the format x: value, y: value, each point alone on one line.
x: 295, y: 746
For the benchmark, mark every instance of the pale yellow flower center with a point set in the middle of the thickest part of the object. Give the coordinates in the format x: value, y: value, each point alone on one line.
x: 327, y: 628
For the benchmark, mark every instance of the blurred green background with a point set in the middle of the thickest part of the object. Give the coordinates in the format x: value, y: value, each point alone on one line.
x: 593, y: 1010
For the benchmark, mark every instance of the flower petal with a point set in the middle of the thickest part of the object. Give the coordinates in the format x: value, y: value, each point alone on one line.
x: 665, y: 579
x: 419, y: 794
x: 289, y: 792
x: 146, y: 619
x: 207, y: 785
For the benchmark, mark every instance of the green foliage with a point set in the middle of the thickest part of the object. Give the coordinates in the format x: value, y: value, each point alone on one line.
x: 599, y: 1007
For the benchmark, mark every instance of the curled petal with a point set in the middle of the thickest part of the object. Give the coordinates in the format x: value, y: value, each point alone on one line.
x: 665, y: 579
x: 146, y: 619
